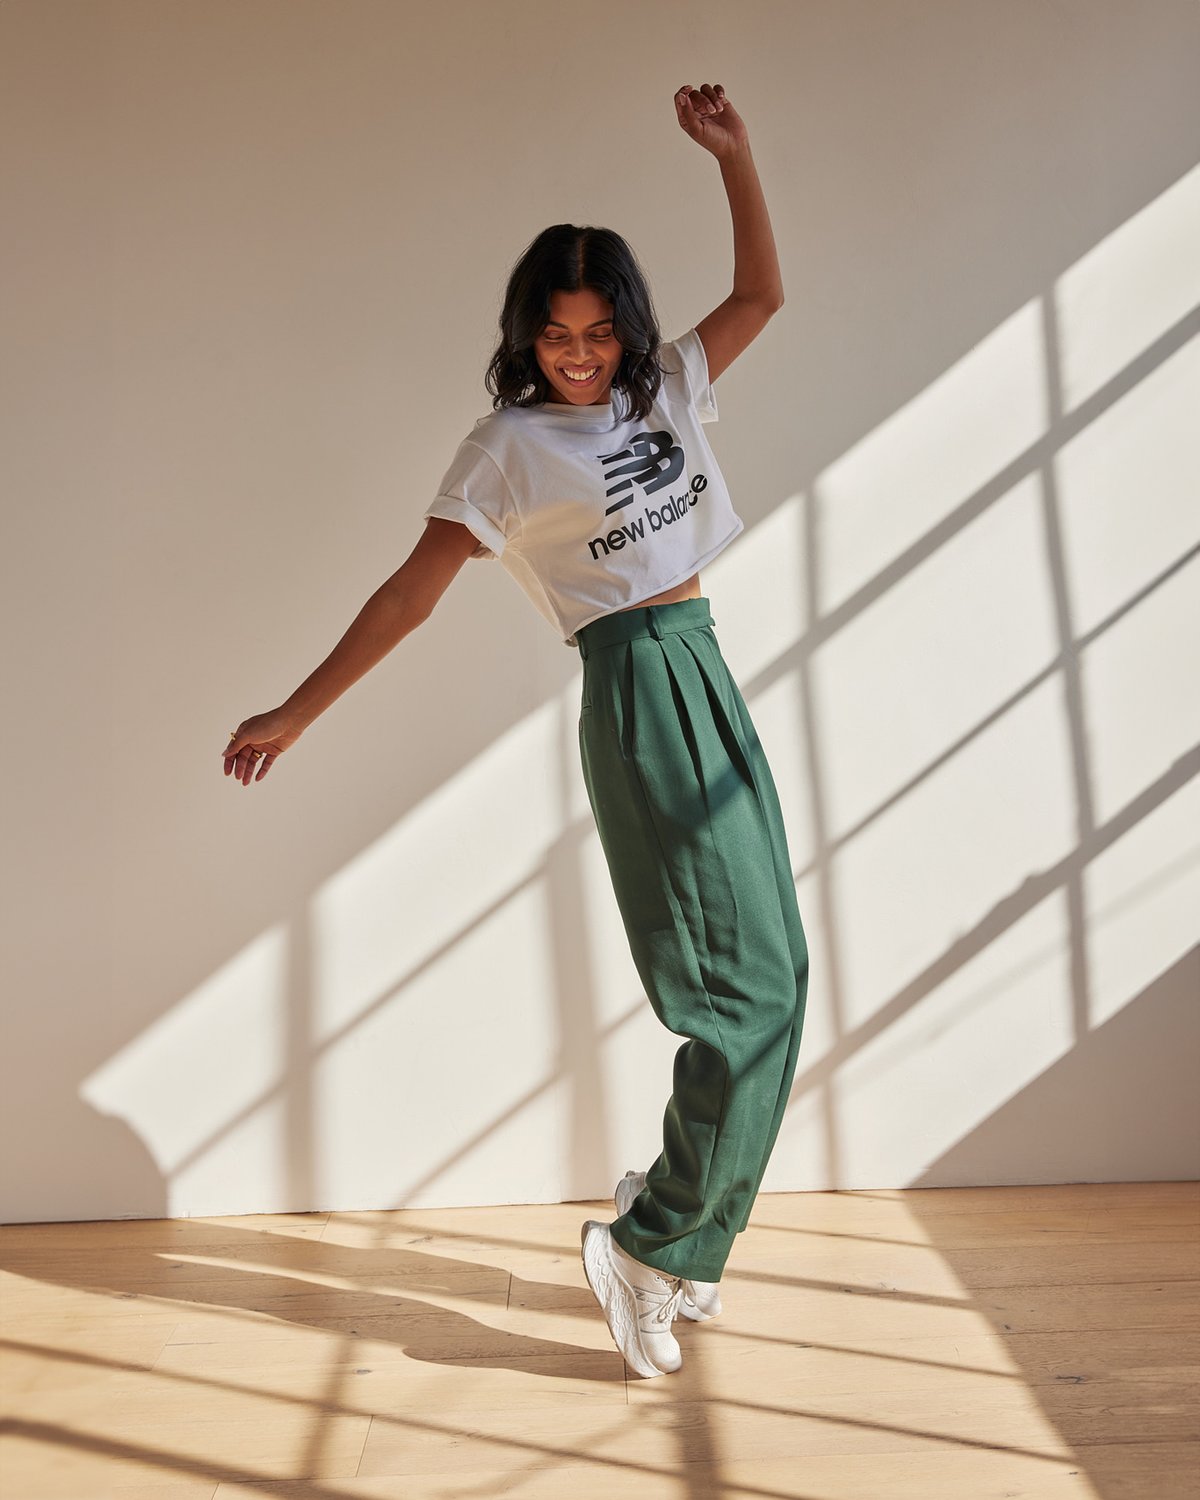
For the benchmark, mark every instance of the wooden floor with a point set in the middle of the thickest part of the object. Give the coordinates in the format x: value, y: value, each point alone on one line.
x: 963, y: 1343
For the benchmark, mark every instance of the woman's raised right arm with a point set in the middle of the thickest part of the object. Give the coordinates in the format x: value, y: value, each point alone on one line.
x: 398, y: 606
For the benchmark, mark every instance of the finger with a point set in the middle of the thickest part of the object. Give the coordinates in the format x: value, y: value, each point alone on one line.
x: 710, y: 94
x: 726, y: 103
x: 248, y: 761
x: 264, y: 767
x: 689, y: 119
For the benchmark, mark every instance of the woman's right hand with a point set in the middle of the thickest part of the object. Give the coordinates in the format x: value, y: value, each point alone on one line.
x: 269, y: 735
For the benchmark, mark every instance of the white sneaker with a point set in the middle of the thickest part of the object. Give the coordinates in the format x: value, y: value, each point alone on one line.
x: 638, y: 1302
x: 701, y: 1300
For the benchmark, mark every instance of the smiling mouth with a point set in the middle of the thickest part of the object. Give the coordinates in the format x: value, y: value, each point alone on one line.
x: 582, y: 378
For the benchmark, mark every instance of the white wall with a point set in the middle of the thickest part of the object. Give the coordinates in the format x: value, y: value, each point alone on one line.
x: 252, y: 264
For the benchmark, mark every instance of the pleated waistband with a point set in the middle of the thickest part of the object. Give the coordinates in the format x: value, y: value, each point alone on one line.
x: 651, y: 619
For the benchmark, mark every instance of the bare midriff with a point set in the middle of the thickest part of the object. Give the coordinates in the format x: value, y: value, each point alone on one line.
x: 689, y: 589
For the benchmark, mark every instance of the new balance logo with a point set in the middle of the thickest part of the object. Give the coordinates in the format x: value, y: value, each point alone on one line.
x: 652, y: 460
x: 656, y: 517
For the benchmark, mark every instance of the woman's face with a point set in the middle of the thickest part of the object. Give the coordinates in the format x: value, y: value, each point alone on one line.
x: 577, y: 351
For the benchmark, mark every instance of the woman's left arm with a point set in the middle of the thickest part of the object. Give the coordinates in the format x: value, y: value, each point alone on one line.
x: 709, y: 118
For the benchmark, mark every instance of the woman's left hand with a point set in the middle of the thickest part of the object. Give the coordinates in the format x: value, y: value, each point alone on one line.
x: 710, y: 119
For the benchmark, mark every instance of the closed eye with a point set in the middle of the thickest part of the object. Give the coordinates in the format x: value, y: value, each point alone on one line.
x: 558, y: 338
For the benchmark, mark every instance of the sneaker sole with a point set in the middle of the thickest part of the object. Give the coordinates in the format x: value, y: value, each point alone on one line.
x: 621, y: 1323
x: 622, y: 1199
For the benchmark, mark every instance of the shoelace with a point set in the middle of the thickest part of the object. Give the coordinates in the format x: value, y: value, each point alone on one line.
x: 665, y: 1304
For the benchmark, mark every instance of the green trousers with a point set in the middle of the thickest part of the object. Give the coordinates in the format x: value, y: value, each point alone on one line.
x: 691, y: 828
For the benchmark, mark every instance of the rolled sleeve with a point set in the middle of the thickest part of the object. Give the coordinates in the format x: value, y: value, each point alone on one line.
x: 475, y: 493
x: 692, y: 374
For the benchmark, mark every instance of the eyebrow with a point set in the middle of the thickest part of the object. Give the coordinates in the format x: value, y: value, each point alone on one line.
x: 550, y: 323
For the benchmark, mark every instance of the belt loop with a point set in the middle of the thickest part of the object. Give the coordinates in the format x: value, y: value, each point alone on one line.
x: 652, y: 621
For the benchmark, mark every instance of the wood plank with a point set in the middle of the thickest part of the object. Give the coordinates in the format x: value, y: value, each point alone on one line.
x: 56, y: 1454
x: 269, y: 1264
x: 1169, y: 1355
x: 1168, y: 1304
x: 928, y: 1202
x: 84, y: 1342
x: 157, y: 1233
x: 1045, y: 1226
x: 933, y: 1404
x: 1060, y: 1265
x: 935, y: 1272
x: 33, y: 1366
x: 175, y: 1489
x: 421, y: 1330
x: 910, y: 1477
x: 1152, y: 1472
x: 235, y: 1301
x: 663, y: 1432
x: 1144, y: 1471
x: 926, y: 1476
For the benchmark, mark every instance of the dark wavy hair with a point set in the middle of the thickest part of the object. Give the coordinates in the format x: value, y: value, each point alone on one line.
x: 567, y: 258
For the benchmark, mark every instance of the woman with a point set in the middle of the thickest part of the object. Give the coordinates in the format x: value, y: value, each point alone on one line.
x: 592, y: 482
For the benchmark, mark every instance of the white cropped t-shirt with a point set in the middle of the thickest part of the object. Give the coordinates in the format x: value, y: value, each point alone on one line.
x: 590, y: 511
